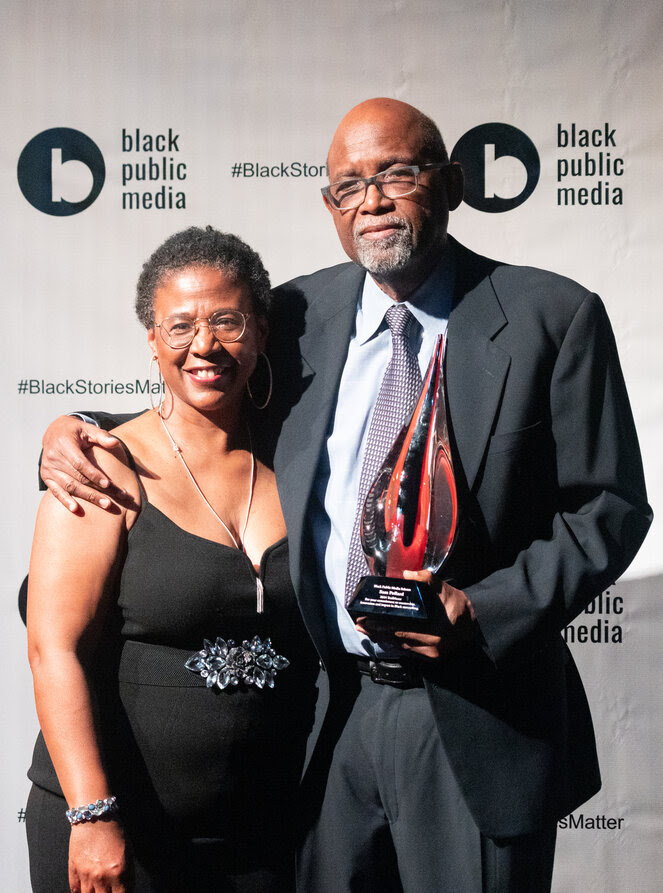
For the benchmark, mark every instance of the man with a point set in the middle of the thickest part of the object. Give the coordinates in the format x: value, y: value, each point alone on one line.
x: 444, y: 758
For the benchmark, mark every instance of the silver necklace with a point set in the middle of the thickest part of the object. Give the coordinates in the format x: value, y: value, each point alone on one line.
x: 238, y: 545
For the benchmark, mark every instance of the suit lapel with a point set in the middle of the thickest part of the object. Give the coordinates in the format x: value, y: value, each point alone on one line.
x: 476, y: 367
x: 329, y: 325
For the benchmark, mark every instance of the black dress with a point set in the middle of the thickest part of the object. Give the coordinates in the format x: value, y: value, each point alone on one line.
x: 205, y: 777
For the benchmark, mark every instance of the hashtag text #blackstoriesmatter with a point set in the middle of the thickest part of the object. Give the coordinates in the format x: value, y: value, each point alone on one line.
x: 40, y: 386
x: 281, y: 170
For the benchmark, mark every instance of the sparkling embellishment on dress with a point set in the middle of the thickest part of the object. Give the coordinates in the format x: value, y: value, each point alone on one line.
x: 225, y: 663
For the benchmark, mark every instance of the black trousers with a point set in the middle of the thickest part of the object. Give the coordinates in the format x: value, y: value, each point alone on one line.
x: 393, y: 819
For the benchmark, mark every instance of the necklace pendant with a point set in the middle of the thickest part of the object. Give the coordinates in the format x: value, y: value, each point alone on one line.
x: 260, y: 596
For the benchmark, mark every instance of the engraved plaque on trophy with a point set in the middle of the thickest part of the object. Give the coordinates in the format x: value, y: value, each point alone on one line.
x: 411, y: 512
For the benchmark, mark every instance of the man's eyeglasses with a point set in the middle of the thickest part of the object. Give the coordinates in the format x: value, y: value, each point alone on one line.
x: 395, y: 182
x: 226, y: 326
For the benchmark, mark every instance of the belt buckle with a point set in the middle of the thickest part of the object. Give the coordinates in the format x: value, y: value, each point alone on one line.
x: 384, y: 673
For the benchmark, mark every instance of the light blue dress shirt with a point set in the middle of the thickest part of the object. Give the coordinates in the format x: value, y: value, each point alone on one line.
x: 337, y: 478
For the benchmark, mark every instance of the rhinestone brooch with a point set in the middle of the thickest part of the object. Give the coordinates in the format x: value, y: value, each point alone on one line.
x: 225, y: 664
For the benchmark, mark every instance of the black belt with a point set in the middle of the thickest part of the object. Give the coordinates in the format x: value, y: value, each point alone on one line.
x: 150, y: 664
x: 398, y: 673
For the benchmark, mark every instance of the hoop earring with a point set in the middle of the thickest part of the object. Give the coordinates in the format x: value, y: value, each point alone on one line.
x: 156, y: 406
x: 269, y: 389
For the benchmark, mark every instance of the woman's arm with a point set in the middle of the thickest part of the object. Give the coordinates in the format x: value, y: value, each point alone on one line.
x: 74, y: 564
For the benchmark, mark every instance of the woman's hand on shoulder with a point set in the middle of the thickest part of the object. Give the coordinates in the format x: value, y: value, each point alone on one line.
x: 99, y: 860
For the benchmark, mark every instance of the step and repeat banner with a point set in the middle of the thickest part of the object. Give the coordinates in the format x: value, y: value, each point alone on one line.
x: 124, y: 122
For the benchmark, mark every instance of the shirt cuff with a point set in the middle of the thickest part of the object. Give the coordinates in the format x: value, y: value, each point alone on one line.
x: 85, y: 418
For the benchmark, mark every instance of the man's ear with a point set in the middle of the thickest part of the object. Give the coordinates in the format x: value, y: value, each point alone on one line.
x: 455, y: 185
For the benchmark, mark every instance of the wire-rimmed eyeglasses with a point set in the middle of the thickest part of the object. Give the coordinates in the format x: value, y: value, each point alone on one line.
x: 180, y: 330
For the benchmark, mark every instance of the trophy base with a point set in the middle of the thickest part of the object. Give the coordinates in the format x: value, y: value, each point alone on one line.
x: 391, y: 597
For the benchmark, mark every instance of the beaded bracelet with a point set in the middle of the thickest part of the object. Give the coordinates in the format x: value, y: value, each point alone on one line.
x: 92, y: 811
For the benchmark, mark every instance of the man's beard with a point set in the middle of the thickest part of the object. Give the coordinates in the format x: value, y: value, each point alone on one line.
x: 383, y: 256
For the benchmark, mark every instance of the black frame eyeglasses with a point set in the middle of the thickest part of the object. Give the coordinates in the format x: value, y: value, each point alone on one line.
x: 227, y: 326
x: 395, y: 182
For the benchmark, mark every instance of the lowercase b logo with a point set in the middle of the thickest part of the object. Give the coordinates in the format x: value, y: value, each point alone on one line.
x: 61, y: 171
x: 501, y: 167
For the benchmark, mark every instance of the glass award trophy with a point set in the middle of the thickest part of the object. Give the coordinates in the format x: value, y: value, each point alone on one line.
x: 411, y: 512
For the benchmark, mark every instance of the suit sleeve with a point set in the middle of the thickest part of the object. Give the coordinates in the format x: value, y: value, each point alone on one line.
x: 601, y: 514
x: 107, y: 420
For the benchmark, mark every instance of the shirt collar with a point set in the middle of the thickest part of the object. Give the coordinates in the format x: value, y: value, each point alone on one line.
x: 430, y: 304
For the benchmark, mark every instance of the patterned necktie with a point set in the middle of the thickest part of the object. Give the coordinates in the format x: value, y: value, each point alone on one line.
x: 396, y: 399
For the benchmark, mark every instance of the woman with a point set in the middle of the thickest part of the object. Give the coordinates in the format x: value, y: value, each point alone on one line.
x: 160, y: 633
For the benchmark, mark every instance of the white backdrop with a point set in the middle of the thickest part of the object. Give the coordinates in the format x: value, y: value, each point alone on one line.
x: 236, y: 86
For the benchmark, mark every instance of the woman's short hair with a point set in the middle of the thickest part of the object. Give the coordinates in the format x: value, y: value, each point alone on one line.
x: 198, y: 247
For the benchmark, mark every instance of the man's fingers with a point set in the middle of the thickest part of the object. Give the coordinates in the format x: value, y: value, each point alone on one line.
x: 418, y: 638
x: 62, y: 496
x: 72, y: 477
x: 422, y: 577
x: 88, y: 494
x: 86, y: 472
x: 372, y: 628
x: 75, y: 468
x: 430, y: 652
x: 64, y: 459
x: 72, y: 491
x: 99, y: 437
x: 422, y: 644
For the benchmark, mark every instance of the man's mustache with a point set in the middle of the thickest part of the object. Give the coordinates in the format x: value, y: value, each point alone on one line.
x: 379, y: 222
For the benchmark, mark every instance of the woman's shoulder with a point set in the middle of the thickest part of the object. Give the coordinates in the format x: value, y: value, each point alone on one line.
x: 135, y: 438
x: 137, y: 427
x: 136, y: 454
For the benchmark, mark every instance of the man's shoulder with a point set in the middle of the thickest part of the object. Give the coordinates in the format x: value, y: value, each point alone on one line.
x: 537, y: 281
x: 311, y: 284
x: 297, y: 302
x: 527, y: 289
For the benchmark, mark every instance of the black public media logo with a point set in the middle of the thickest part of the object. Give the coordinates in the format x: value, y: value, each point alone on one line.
x: 61, y: 171
x: 501, y: 166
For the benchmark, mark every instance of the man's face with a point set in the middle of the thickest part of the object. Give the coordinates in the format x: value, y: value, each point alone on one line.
x: 388, y: 235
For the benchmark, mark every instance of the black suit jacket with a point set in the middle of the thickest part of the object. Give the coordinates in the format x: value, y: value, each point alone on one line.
x: 553, y: 510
